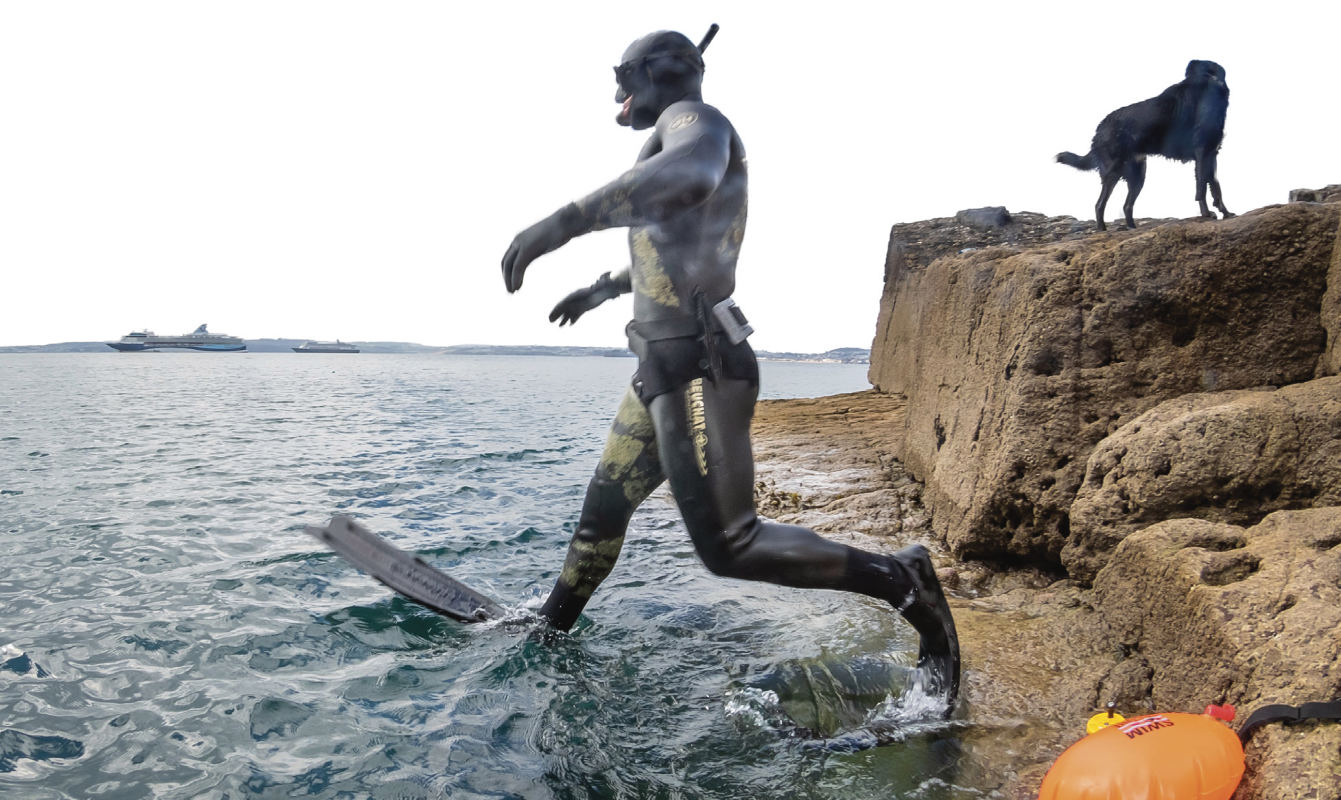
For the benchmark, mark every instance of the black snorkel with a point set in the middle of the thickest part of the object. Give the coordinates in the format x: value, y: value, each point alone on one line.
x: 707, y: 38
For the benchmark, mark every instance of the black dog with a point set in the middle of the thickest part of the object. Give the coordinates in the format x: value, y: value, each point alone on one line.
x: 1186, y: 123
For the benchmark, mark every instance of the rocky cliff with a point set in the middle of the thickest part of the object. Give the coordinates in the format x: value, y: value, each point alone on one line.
x: 1018, y: 359
x: 1154, y: 416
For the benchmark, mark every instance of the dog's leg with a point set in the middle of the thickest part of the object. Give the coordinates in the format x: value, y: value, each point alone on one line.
x: 1205, y: 174
x: 1109, y: 180
x: 1219, y: 201
x: 1208, y: 174
x: 1134, y: 174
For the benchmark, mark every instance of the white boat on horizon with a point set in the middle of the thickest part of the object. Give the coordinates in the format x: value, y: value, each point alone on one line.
x: 336, y: 346
x: 201, y: 339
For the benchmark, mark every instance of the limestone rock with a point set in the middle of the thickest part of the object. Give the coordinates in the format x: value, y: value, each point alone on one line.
x: 1215, y: 612
x: 914, y: 245
x: 1327, y: 194
x: 987, y: 217
x: 1017, y: 361
x: 1226, y: 456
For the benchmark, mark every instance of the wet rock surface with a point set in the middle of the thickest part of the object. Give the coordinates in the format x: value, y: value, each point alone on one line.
x: 827, y: 464
x: 1187, y: 612
x: 1033, y: 656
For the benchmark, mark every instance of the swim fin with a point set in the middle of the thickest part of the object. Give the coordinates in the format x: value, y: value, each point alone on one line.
x: 404, y: 572
x: 929, y: 613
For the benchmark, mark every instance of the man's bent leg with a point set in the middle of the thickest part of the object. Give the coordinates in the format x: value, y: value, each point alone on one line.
x: 628, y: 472
x: 703, y: 438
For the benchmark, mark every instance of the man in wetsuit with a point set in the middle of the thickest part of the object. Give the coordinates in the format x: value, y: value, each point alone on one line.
x: 686, y: 418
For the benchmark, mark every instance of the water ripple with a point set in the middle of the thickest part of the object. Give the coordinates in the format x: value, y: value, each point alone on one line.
x: 172, y: 633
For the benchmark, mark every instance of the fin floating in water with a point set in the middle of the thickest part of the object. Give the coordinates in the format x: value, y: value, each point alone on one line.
x: 404, y: 572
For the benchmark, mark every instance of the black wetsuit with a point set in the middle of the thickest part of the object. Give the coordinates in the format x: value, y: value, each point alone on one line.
x: 687, y: 416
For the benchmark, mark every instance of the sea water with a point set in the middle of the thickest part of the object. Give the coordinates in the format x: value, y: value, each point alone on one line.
x: 168, y: 631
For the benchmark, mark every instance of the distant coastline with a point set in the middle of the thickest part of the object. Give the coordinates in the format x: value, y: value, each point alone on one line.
x: 842, y: 355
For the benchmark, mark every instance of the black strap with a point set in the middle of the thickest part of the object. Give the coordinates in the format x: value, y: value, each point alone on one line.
x: 695, y: 327
x: 708, y: 335
x: 669, y: 328
x: 640, y: 333
x: 1288, y: 714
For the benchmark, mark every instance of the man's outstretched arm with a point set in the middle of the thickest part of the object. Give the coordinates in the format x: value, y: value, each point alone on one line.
x: 696, y: 149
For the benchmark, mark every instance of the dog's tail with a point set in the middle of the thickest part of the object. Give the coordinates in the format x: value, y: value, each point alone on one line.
x: 1079, y: 162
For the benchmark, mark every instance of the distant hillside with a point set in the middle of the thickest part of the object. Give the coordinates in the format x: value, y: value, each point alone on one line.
x: 61, y: 347
x: 845, y: 355
x: 287, y: 345
x: 253, y: 346
x: 532, y: 350
x: 841, y: 355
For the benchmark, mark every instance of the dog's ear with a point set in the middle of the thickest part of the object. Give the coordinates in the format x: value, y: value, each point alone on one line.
x: 1196, y: 68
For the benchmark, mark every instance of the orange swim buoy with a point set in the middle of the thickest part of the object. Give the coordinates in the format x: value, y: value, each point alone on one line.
x: 1169, y: 756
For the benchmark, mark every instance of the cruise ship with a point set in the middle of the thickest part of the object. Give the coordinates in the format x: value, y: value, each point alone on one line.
x: 336, y: 346
x: 200, y: 339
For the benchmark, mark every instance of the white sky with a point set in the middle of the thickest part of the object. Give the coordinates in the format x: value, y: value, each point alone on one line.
x: 356, y: 170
